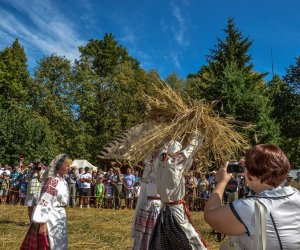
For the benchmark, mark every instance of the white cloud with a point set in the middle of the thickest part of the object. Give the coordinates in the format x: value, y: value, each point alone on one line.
x: 47, y: 29
x: 180, y: 30
x: 175, y: 60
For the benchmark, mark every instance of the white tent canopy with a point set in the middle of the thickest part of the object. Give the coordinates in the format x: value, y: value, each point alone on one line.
x: 81, y: 163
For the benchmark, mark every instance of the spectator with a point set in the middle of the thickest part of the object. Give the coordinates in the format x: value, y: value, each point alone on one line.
x: 289, y: 180
x: 4, y: 187
x: 99, y: 192
x: 21, y: 162
x: 232, y: 189
x: 71, y: 179
x: 100, y: 173
x: 6, y: 169
x: 266, y: 167
x: 244, y: 189
x: 85, y: 188
x: 14, y: 185
x: 78, y: 183
x: 117, y: 183
x: 34, y: 173
x: 212, y: 181
x: 23, y: 185
x: 108, y: 192
x: 203, y: 190
x: 93, y: 186
x: 191, y: 186
x: 110, y: 174
x: 298, y: 178
x: 129, y: 181
x: 137, y: 189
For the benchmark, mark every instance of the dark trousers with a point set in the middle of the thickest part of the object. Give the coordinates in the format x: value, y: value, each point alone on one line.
x: 117, y: 189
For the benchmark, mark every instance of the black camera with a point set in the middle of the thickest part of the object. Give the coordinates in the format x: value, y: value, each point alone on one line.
x: 36, y: 165
x: 235, y: 167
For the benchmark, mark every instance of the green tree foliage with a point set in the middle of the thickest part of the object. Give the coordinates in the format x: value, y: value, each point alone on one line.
x: 229, y: 80
x: 106, y: 54
x: 14, y: 77
x: 79, y: 108
x: 108, y: 90
x: 27, y: 134
x: 175, y: 82
x: 291, y: 131
x: 292, y: 76
x: 286, y: 101
x: 51, y: 98
x: 22, y: 132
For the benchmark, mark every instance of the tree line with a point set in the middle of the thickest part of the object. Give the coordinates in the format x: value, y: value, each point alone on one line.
x: 78, y: 107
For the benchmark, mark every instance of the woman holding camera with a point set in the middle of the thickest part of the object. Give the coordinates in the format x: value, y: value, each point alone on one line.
x: 266, y: 168
x: 48, y: 229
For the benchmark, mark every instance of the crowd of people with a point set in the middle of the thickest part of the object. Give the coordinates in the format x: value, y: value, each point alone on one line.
x: 21, y: 184
x: 160, y: 195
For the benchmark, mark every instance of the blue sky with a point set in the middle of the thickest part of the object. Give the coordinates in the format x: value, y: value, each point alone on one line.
x: 167, y: 35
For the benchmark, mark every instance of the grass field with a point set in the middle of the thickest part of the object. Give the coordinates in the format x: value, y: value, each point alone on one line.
x: 88, y: 228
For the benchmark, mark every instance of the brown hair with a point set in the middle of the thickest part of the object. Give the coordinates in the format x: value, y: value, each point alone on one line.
x: 268, y: 163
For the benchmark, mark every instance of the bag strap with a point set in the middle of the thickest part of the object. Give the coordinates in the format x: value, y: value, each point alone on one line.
x: 260, y: 225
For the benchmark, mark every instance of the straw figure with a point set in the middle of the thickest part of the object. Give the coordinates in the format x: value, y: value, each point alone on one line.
x: 169, y: 117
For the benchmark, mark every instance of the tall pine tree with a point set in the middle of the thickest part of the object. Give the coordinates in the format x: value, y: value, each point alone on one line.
x: 14, y: 76
x: 229, y: 79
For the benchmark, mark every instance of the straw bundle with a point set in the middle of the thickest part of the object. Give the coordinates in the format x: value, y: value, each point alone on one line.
x: 175, y: 119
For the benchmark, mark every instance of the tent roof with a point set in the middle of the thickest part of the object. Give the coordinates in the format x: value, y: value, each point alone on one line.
x: 82, y: 163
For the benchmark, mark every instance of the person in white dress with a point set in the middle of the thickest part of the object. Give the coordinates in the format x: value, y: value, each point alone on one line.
x: 173, y: 229
x: 48, y: 229
x: 148, y: 206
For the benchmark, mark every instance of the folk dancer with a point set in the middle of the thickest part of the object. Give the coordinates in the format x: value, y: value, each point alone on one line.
x: 148, y: 206
x: 48, y: 229
x: 173, y: 229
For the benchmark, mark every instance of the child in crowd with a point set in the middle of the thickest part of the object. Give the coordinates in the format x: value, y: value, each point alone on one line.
x: 99, y: 192
x: 4, y: 186
x: 22, y: 191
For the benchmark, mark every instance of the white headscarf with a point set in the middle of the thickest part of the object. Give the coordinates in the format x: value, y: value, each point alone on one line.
x: 55, y: 165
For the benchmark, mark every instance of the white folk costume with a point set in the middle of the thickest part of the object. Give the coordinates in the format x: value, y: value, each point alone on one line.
x: 50, y: 210
x: 173, y: 229
x: 148, y: 206
x: 282, y: 218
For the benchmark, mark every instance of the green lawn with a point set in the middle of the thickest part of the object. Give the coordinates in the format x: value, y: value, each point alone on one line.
x: 88, y: 228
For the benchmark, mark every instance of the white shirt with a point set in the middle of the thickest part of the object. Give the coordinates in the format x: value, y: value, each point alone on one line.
x: 7, y: 172
x: 170, y: 180
x: 283, y: 203
x: 85, y: 184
